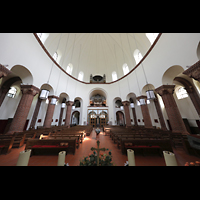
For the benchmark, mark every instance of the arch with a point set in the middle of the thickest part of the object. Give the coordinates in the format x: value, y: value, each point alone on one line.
x: 78, y: 102
x: 131, y: 95
x: 63, y: 96
x: 170, y: 74
x: 100, y: 91
x: 147, y: 87
x: 198, y: 51
x: 22, y: 72
x: 47, y: 87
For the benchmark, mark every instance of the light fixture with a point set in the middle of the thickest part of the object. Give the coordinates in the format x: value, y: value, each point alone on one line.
x: 53, y: 101
x: 44, y: 94
x: 132, y: 105
x: 142, y: 102
x: 73, y: 107
x: 121, y: 108
x: 150, y: 94
x: 63, y: 105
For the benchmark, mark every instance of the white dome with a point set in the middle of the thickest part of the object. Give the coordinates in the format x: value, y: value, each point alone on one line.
x: 97, y: 53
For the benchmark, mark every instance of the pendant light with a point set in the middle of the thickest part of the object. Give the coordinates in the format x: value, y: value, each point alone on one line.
x: 44, y: 94
x: 53, y: 101
x: 149, y: 92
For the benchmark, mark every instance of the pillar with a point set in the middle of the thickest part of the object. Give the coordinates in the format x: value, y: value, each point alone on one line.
x: 127, y: 113
x: 194, y: 98
x: 35, y: 114
x: 21, y: 114
x: 68, y: 113
x: 134, y: 117
x: 49, y: 113
x: 160, y: 115
x: 177, y: 124
x: 61, y: 114
x: 194, y: 71
x: 145, y: 113
x: 3, y: 91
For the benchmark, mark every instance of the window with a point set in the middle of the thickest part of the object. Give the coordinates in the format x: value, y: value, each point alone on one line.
x: 12, y: 92
x: 152, y: 37
x: 69, y: 69
x: 137, y: 55
x: 114, y: 76
x: 80, y: 76
x: 125, y: 69
x: 55, y: 56
x: 181, y: 93
x: 39, y: 35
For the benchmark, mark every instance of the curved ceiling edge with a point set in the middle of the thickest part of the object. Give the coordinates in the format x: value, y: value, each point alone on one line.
x: 147, y: 53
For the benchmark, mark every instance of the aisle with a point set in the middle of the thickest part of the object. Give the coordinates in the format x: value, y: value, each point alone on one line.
x: 90, y: 141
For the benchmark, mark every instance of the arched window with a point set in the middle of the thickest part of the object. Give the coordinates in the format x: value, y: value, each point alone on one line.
x: 80, y: 76
x: 125, y: 69
x: 55, y: 56
x: 12, y: 92
x: 69, y: 69
x: 181, y: 93
x: 152, y: 37
x: 114, y: 76
x: 39, y: 35
x: 137, y: 55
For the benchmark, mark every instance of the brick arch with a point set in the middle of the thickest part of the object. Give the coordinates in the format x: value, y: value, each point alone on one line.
x: 6, y: 86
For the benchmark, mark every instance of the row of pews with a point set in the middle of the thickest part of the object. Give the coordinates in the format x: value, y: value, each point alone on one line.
x: 46, y: 140
x: 146, y: 140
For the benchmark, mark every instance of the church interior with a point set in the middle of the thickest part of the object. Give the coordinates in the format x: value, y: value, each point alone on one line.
x: 142, y: 90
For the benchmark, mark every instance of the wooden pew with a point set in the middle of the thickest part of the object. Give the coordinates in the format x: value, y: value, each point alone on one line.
x: 161, y: 145
x: 6, y: 145
x: 51, y: 146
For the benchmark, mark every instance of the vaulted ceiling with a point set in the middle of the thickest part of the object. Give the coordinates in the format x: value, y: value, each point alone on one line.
x: 96, y: 53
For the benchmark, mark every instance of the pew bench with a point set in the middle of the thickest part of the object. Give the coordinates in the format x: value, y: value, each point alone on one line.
x: 159, y: 144
x: 6, y: 145
x: 51, y: 146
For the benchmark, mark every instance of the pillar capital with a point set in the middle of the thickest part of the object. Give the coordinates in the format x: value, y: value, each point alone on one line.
x: 69, y: 103
x: 125, y: 103
x: 52, y: 96
x: 165, y: 89
x: 29, y: 89
x: 194, y: 71
x: 141, y: 97
x: 4, y: 71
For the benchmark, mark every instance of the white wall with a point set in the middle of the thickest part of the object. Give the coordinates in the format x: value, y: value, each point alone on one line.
x: 23, y: 49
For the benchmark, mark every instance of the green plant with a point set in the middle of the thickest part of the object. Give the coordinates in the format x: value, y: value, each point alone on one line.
x: 91, y: 159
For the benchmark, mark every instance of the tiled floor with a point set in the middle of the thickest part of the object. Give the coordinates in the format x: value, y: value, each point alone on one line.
x: 84, y: 149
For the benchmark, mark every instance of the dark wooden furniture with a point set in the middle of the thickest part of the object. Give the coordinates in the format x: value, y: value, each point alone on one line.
x: 51, y: 146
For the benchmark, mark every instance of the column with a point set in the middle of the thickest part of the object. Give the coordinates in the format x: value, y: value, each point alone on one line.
x: 134, y: 116
x: 127, y: 113
x: 61, y: 114
x: 145, y: 113
x: 49, y: 113
x: 21, y: 114
x: 3, y: 91
x: 160, y: 115
x: 68, y: 113
x: 35, y: 114
x: 4, y: 71
x: 194, y: 98
x: 177, y: 124
x: 194, y: 71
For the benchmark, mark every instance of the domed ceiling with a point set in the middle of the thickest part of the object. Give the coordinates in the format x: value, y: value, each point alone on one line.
x: 96, y: 53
